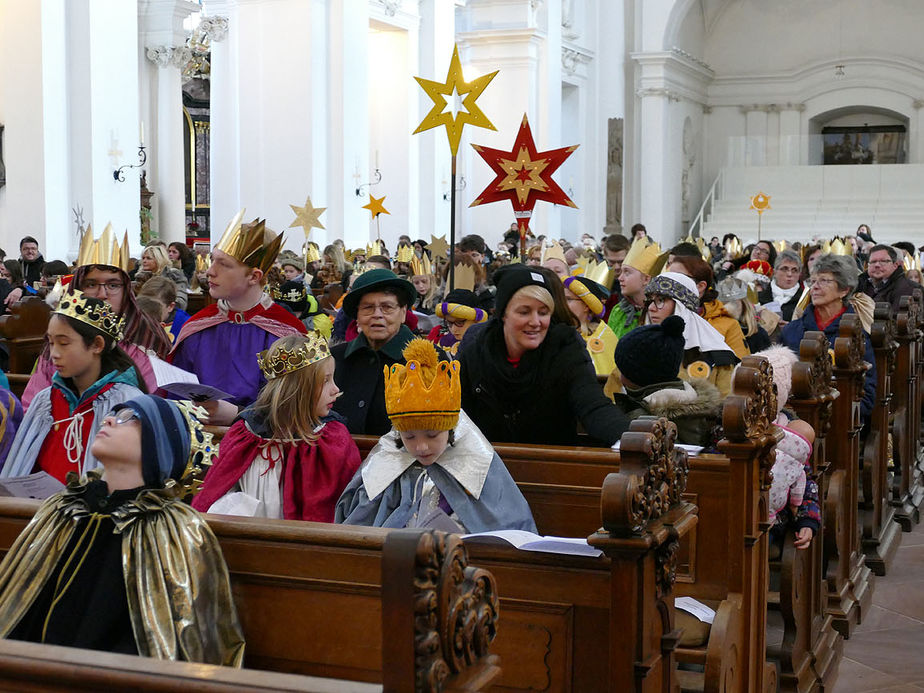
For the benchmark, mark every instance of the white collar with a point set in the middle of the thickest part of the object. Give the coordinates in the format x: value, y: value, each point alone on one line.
x: 783, y: 295
x: 467, y: 461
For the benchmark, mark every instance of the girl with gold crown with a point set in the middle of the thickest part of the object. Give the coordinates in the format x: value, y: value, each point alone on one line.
x: 92, y: 374
x: 435, y: 468
x: 289, y: 455
x: 117, y: 561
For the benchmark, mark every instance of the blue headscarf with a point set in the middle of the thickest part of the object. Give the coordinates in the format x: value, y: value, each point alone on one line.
x: 165, y: 438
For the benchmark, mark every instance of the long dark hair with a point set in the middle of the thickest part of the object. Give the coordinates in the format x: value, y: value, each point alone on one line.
x: 113, y: 357
x: 699, y: 271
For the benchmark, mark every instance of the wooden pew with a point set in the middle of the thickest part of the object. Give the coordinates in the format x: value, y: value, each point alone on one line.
x: 810, y: 650
x: 880, y: 534
x: 907, y: 493
x: 312, y: 600
x: 23, y: 332
x: 849, y: 579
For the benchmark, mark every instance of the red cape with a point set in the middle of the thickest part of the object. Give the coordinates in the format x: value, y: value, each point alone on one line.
x: 313, y: 475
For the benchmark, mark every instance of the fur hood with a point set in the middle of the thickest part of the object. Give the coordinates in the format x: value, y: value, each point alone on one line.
x: 697, y: 397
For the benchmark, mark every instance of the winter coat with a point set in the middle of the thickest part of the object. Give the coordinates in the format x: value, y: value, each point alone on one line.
x: 891, y: 290
x: 32, y: 270
x: 541, y: 399
x: 789, y: 477
x: 786, y: 309
x: 715, y: 314
x: 624, y: 317
x: 694, y: 406
x: 792, y: 335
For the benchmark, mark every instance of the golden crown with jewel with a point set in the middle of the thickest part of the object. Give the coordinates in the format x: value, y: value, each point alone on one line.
x: 202, y: 447
x: 425, y: 393
x: 293, y: 295
x: 100, y: 316
x: 276, y: 362
x: 421, y: 265
x: 103, y: 251
x: 646, y: 258
x: 250, y: 244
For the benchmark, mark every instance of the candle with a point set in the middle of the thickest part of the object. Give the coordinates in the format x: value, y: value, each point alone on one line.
x: 376, y: 159
x: 141, y: 134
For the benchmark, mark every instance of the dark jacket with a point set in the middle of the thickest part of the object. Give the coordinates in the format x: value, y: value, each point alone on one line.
x: 32, y: 270
x: 540, y: 401
x: 766, y: 296
x: 694, y: 406
x: 792, y: 335
x: 891, y: 290
x: 359, y: 373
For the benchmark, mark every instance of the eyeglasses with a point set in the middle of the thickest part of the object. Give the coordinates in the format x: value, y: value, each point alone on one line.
x: 386, y: 309
x: 659, y: 301
x: 788, y: 270
x: 821, y: 281
x: 760, y: 251
x: 108, y: 287
x: 124, y: 416
x: 881, y: 262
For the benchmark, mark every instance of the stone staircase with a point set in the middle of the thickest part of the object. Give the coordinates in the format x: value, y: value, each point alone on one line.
x: 824, y: 201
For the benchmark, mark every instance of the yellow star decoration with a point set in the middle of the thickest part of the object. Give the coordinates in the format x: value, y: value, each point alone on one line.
x: 438, y: 247
x: 760, y: 202
x: 375, y: 206
x: 523, y: 174
x: 453, y: 85
x: 308, y: 217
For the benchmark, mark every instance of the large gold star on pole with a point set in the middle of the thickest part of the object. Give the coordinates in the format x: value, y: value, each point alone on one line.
x: 376, y: 206
x: 455, y: 86
x: 308, y: 217
x: 438, y: 247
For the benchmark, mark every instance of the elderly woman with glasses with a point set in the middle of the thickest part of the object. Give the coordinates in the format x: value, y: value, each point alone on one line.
x: 379, y: 302
x: 784, y: 291
x: 832, y: 284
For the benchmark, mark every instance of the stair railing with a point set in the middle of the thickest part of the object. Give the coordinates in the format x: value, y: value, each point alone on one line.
x: 708, y: 206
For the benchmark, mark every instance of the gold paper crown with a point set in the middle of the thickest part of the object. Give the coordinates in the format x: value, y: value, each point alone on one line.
x: 838, y: 247
x: 553, y: 251
x: 733, y: 248
x: 911, y: 262
x: 464, y: 278
x: 202, y: 264
x: 600, y: 272
x: 202, y: 448
x: 647, y: 259
x: 374, y: 248
x: 421, y: 265
x: 104, y: 251
x: 424, y: 394
x: 312, y: 254
x: 280, y: 361
x: 102, y: 317
x: 405, y: 253
x: 250, y: 244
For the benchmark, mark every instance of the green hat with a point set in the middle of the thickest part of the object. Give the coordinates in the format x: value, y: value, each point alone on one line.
x: 377, y: 280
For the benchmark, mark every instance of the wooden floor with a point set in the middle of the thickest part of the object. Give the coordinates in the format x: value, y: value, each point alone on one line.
x: 887, y: 651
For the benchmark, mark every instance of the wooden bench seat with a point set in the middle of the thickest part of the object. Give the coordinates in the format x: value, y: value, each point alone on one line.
x: 22, y: 331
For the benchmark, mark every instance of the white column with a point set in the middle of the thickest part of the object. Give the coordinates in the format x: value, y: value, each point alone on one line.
x: 789, y: 136
x: 654, y: 205
x: 165, y: 48
x: 756, y: 129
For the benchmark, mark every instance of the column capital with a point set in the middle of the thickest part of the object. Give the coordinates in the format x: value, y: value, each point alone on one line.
x: 173, y: 56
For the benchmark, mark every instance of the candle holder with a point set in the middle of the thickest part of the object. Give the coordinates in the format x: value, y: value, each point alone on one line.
x: 377, y: 178
x: 118, y: 174
x: 459, y: 188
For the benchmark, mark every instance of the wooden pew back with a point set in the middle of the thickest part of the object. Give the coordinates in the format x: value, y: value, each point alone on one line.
x: 23, y: 331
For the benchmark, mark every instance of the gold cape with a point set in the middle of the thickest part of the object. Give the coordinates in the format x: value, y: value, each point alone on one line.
x: 176, y: 580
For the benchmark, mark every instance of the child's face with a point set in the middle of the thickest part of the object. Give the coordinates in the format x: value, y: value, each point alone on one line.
x: 421, y: 283
x: 458, y: 327
x: 425, y: 446
x: 70, y: 356
x: 118, y: 439
x: 329, y: 391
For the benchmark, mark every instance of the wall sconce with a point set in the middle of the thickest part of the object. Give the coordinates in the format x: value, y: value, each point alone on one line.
x: 118, y: 174
x: 460, y: 188
x: 376, y: 179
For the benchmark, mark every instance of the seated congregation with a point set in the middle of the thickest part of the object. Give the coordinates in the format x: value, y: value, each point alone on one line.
x: 706, y: 429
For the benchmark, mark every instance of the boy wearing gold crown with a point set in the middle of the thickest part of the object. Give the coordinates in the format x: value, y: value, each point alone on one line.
x: 435, y: 468
x: 116, y: 561
x: 218, y: 342
x: 642, y: 262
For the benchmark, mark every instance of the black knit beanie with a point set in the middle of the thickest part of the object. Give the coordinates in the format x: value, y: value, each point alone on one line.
x: 652, y: 353
x: 511, y: 278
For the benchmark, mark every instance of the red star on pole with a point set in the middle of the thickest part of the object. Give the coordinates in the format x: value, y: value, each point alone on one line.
x: 524, y: 176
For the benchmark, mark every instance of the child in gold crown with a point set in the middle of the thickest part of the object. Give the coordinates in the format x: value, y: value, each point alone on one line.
x: 287, y: 456
x: 435, y: 468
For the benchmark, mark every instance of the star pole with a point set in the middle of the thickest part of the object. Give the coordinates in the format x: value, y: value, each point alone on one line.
x: 454, y: 121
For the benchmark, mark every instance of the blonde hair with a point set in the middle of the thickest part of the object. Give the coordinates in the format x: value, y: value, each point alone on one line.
x: 289, y: 401
x: 745, y: 313
x: 535, y: 292
x: 429, y: 300
x: 335, y: 253
x: 158, y: 253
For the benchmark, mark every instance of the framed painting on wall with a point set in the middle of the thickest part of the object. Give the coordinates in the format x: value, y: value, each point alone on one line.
x: 2, y: 166
x: 870, y: 144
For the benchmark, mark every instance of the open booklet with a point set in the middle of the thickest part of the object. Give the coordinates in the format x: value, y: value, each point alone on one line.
x: 527, y: 541
x: 695, y: 608
x: 182, y: 383
x: 39, y: 485
x: 692, y: 450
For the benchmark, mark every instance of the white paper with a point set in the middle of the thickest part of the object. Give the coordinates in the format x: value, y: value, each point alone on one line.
x: 692, y: 450
x: 39, y: 485
x: 527, y: 541
x: 695, y: 608
x: 167, y: 373
x: 773, y: 307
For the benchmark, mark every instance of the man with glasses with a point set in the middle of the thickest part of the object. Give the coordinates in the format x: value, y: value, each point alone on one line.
x: 884, y: 279
x: 378, y: 302
x: 31, y: 260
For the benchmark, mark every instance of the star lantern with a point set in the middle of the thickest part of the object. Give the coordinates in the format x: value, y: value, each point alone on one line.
x: 455, y: 86
x: 376, y: 206
x: 308, y: 217
x: 760, y: 202
x: 524, y: 176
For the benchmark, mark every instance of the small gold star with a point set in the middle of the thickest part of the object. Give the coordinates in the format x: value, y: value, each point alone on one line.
x: 438, y: 247
x: 307, y: 217
x: 375, y: 206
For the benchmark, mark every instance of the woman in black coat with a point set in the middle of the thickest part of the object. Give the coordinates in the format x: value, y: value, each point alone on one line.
x: 526, y: 375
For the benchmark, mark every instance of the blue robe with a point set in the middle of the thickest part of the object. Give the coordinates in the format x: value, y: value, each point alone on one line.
x: 469, y: 476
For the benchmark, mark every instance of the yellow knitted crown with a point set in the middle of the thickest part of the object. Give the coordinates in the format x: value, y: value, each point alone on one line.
x: 424, y: 394
x: 102, y: 317
x: 646, y: 258
x: 250, y: 244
